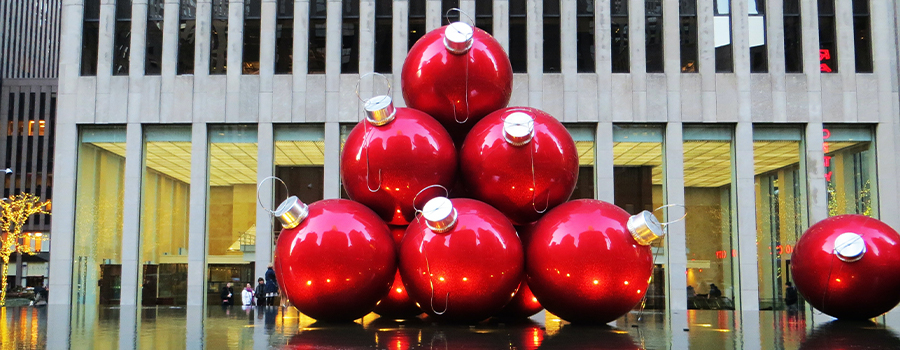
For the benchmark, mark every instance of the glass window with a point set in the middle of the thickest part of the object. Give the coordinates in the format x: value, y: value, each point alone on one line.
x: 722, y: 31
x: 122, y: 43
x: 687, y: 10
x: 850, y: 170
x: 384, y: 33
x: 153, y: 56
x: 518, y: 36
x: 250, y: 50
x: 350, y: 36
x: 757, y: 21
x: 218, y: 53
x: 793, y: 37
x: 712, y: 257
x: 450, y: 17
x: 484, y: 15
x: 620, y: 52
x: 318, y: 9
x: 862, y: 36
x: 165, y: 215
x: 653, y: 39
x: 416, y: 24
x: 584, y: 144
x: 585, y: 37
x: 551, y: 37
x: 231, y: 225
x: 780, y: 209
x: 828, y: 54
x: 186, y: 30
x: 90, y: 32
x: 638, y: 181
x: 300, y: 163
x: 99, y: 208
x: 284, y: 37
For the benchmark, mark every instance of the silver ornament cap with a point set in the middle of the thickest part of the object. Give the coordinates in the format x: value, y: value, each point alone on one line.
x: 380, y: 110
x: 518, y: 129
x: 440, y: 215
x: 291, y: 212
x: 645, y: 228
x: 849, y: 247
x: 458, y: 37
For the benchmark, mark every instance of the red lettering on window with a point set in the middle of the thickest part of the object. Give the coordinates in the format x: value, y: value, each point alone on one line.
x: 828, y: 176
x: 827, y: 161
x: 824, y: 54
x: 824, y: 68
x: 826, y: 134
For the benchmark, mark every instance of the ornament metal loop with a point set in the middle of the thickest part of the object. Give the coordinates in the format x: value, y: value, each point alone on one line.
x: 664, y: 224
x: 379, y: 108
x: 416, y: 198
x: 431, y: 281
x: 462, y: 13
x: 366, y: 145
x: 259, y: 187
x: 534, y: 188
x: 361, y: 77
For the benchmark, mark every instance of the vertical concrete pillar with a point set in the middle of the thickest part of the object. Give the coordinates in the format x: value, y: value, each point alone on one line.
x: 197, y: 247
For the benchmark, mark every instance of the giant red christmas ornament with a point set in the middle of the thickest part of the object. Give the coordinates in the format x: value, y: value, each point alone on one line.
x: 523, y: 305
x: 457, y: 74
x: 520, y: 160
x: 397, y: 303
x: 461, y: 261
x: 392, y: 155
x: 334, y: 259
x: 590, y: 261
x: 848, y: 266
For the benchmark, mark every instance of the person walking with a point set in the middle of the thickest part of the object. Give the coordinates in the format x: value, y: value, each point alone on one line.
x: 227, y: 295
x: 260, y: 292
x: 271, y: 286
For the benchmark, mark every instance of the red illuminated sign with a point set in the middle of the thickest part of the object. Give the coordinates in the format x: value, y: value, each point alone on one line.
x: 824, y: 55
x: 827, y: 160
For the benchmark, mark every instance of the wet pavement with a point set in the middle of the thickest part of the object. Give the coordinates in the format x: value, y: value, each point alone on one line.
x: 52, y: 327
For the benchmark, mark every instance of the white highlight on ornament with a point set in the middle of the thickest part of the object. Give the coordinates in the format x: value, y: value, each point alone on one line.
x: 458, y: 37
x: 518, y: 128
x: 440, y: 216
x: 849, y: 247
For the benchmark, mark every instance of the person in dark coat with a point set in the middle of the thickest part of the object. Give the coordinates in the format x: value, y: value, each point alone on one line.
x: 271, y: 286
x: 227, y: 295
x: 261, y: 292
x: 714, y: 291
x: 790, y: 297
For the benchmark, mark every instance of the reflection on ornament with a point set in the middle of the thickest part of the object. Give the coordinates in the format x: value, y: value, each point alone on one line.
x: 454, y: 84
x: 520, y: 160
x: 584, y: 263
x: 461, y: 261
x: 523, y: 305
x: 848, y: 266
x: 336, y: 262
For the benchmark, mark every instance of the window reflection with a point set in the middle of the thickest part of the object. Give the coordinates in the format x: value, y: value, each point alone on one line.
x: 300, y: 163
x: 90, y: 33
x: 165, y: 215
x: 518, y: 36
x: 318, y: 10
x: 638, y: 181
x: 793, y: 37
x: 122, y: 38
x: 585, y: 37
x: 218, y: 52
x: 708, y: 195
x: 416, y: 24
x: 653, y: 29
x: 250, y: 50
x: 757, y: 22
x: 862, y: 36
x: 780, y: 209
x: 584, y: 144
x: 350, y: 36
x: 99, y: 209
x: 284, y: 37
x: 551, y: 45
x: 620, y: 52
x: 484, y: 15
x: 186, y: 29
x: 153, y: 55
x: 383, y: 35
x: 850, y: 170
x: 828, y: 55
x: 722, y: 33
x: 688, y: 36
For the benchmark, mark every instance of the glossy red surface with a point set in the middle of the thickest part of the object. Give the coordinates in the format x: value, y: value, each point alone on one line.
x: 523, y: 305
x: 500, y: 174
x: 848, y: 290
x: 338, y: 263
x: 411, y: 153
x: 477, y: 265
x: 397, y: 303
x: 584, y: 266
x: 435, y: 81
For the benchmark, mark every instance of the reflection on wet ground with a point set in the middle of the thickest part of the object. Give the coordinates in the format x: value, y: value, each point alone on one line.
x: 284, y: 328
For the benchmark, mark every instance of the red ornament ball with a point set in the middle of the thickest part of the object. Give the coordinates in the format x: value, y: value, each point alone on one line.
x: 848, y: 266
x: 583, y: 264
x: 457, y: 89
x: 337, y: 263
x: 397, y: 303
x: 520, y: 160
x: 467, y: 273
x: 523, y: 305
x: 384, y: 167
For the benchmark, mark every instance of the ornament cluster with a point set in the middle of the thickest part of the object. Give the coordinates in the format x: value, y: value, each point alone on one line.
x: 477, y: 198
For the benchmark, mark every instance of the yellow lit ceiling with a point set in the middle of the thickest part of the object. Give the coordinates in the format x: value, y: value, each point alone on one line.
x: 706, y: 163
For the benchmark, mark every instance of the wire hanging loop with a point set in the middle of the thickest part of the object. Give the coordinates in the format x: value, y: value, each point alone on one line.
x: 534, y: 187
x: 666, y: 224
x: 259, y: 188
x: 368, y: 135
x: 461, y: 13
x: 387, y: 83
x: 416, y: 198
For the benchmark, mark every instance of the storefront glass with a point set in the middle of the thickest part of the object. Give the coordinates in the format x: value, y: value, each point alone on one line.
x: 300, y: 163
x: 638, y: 179
x: 710, y: 223
x: 850, y: 170
x: 231, y: 226
x: 584, y: 144
x: 97, y: 265
x: 165, y: 213
x: 780, y: 207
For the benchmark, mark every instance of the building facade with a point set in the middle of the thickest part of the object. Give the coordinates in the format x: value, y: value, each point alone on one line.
x: 759, y: 117
x: 29, y: 58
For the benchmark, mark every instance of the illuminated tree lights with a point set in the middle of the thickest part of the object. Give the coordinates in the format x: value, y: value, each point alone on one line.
x: 14, y: 212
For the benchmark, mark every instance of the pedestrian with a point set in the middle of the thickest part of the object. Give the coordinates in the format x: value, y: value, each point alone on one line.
x: 227, y: 295
x: 790, y: 297
x: 247, y: 295
x: 271, y: 286
x: 260, y: 292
